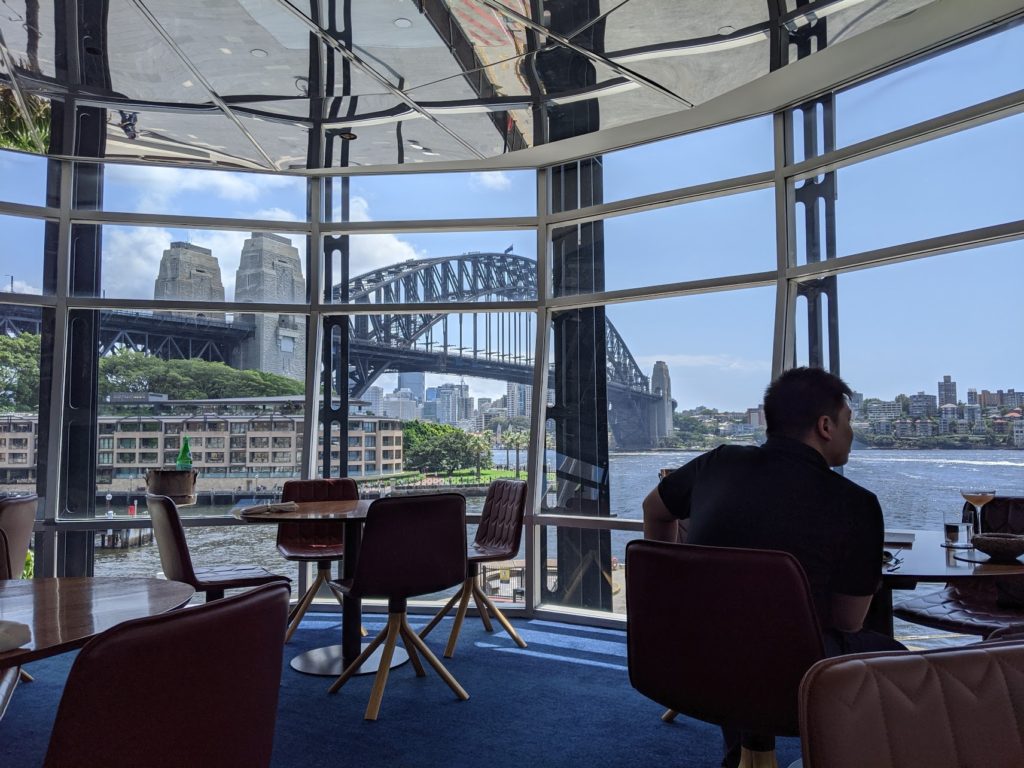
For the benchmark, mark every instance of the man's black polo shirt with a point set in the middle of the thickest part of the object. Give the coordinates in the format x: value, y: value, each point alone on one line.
x: 784, y: 496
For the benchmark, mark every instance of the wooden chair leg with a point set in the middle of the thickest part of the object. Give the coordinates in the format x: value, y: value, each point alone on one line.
x: 752, y: 759
x: 481, y: 606
x: 351, y: 668
x: 303, y: 605
x: 410, y: 648
x: 440, y: 615
x: 436, y: 664
x: 459, y: 618
x: 669, y: 715
x: 479, y: 595
x: 381, y: 679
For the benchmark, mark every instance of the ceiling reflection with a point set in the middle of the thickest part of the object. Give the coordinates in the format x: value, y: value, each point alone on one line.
x: 286, y: 84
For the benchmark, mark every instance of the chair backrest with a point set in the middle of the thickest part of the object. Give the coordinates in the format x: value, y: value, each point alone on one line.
x: 323, y: 489
x: 501, y: 523
x: 196, y: 686
x: 170, y: 540
x: 1004, y: 514
x: 944, y: 708
x: 720, y: 634
x: 412, y: 545
x: 17, y: 517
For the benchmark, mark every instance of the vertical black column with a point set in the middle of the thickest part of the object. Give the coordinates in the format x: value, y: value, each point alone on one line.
x: 580, y: 376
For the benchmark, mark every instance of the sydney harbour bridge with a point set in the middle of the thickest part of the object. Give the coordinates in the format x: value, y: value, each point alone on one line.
x: 492, y: 344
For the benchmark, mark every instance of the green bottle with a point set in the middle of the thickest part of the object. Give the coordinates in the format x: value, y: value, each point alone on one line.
x: 185, y: 454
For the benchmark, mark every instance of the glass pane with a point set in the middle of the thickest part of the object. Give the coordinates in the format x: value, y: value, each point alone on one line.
x: 490, y: 194
x: 983, y: 69
x: 195, y: 192
x: 920, y: 436
x: 966, y: 180
x: 683, y: 242
x: 433, y: 267
x: 23, y: 178
x: 718, y: 153
x: 20, y: 334
x: 170, y: 264
x: 22, y: 257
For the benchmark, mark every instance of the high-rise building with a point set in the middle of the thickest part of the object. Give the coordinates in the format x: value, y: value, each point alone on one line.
x: 191, y: 273
x: 415, y: 383
x: 451, y: 403
x: 947, y: 391
x: 922, y: 405
x: 270, y: 270
x: 518, y: 399
x: 375, y: 396
x: 661, y: 385
x: 972, y: 396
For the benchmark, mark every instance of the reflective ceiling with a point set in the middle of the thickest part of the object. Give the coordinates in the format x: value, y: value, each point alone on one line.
x: 284, y: 84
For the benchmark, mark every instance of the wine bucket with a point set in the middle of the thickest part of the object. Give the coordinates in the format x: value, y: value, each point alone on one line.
x: 177, y: 484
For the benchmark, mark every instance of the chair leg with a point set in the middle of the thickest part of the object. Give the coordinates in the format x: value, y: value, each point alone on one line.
x: 751, y: 759
x: 669, y: 715
x: 410, y: 648
x: 303, y: 605
x: 440, y: 615
x: 381, y: 678
x: 460, y: 616
x: 433, y: 661
x: 481, y: 606
x: 25, y: 676
x: 479, y: 595
x: 351, y: 668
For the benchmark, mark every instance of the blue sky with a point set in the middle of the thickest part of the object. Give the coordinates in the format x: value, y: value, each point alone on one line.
x: 902, y: 327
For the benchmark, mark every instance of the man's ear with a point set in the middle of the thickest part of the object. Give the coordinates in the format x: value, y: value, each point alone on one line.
x: 824, y: 427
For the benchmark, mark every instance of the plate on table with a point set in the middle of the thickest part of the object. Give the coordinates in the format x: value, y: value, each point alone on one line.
x: 973, y: 556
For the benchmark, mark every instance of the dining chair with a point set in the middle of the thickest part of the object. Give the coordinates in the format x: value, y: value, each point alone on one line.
x: 196, y: 686
x: 497, y: 538
x: 320, y: 541
x: 943, y: 708
x: 17, y: 518
x: 412, y: 545
x: 177, y: 562
x: 975, y: 606
x: 704, y: 637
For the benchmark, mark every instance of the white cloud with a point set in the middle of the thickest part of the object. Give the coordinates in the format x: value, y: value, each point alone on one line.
x: 491, y: 180
x: 131, y: 260
x: 20, y: 286
x: 720, y: 362
x: 370, y: 252
x: 275, y: 214
x: 156, y: 188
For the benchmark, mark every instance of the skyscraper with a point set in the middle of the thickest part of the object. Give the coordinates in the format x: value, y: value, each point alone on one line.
x: 415, y: 383
x: 947, y: 391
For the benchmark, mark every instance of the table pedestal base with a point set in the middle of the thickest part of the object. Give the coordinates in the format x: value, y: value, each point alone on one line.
x: 326, y: 661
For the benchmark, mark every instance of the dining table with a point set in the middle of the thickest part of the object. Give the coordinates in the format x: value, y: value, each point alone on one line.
x: 63, y: 613
x: 330, y: 660
x: 920, y: 557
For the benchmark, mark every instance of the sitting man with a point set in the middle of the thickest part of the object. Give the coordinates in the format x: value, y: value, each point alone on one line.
x: 784, y: 496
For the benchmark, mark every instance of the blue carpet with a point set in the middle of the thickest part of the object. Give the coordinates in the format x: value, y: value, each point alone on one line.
x: 565, y: 699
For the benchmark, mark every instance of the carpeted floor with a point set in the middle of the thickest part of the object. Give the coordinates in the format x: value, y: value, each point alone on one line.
x: 564, y: 700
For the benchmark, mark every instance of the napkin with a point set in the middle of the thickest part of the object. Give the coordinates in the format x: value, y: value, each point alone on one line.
x: 264, y: 509
x: 13, y: 635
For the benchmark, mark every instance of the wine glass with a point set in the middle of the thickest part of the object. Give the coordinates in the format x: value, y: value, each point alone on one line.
x: 979, y: 499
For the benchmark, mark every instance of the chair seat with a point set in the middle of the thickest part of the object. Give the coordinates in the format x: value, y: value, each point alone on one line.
x: 309, y: 552
x: 235, y: 576
x: 972, y: 612
x: 481, y: 553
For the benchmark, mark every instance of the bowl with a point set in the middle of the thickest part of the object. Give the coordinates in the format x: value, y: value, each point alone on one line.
x: 1000, y: 547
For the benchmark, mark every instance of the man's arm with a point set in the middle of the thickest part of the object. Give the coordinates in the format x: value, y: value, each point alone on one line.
x: 848, y: 611
x: 659, y: 523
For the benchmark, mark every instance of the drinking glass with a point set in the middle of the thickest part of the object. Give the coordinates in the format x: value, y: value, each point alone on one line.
x: 979, y: 499
x: 956, y: 533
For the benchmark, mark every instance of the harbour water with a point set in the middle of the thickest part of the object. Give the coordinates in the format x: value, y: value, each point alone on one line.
x: 914, y: 488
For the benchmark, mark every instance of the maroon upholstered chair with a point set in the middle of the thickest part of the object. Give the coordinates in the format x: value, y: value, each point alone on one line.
x: 943, y: 708
x: 977, y: 606
x: 177, y: 562
x: 722, y: 635
x: 321, y: 542
x: 17, y: 517
x: 497, y: 538
x: 197, y: 686
x: 412, y: 545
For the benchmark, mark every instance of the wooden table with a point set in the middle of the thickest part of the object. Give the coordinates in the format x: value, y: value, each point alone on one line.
x: 927, y: 561
x: 331, y: 660
x: 64, y: 613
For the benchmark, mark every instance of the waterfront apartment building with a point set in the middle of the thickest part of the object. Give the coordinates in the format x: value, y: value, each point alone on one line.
x: 947, y: 391
x: 238, y: 442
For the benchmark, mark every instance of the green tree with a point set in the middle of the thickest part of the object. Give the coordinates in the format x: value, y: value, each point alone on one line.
x: 19, y: 372
x: 480, y: 447
x: 517, y: 440
x: 430, y: 447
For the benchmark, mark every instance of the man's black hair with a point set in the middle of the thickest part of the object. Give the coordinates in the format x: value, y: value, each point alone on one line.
x: 794, y: 402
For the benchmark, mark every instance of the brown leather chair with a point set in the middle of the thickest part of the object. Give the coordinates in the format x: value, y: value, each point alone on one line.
x: 177, y: 562
x: 979, y: 606
x: 722, y: 635
x: 197, y: 686
x: 17, y: 517
x: 412, y: 545
x: 321, y: 542
x: 944, y: 708
x: 497, y: 538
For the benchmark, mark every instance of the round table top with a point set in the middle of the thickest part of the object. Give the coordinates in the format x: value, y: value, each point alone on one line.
x: 925, y: 559
x: 63, y: 613
x: 349, y: 509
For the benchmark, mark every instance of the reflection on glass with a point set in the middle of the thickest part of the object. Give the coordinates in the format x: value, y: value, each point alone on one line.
x: 22, y: 257
x: 19, y: 398
x: 26, y: 131
x: 23, y: 178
